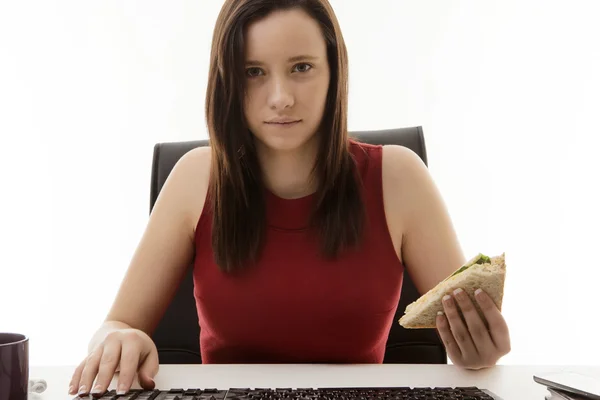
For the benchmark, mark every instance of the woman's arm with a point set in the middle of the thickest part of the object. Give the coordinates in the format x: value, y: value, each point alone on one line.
x: 431, y: 251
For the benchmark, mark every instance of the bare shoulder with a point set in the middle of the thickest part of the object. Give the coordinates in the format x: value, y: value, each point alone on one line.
x: 405, y: 176
x: 192, y: 171
x: 196, y: 163
x: 400, y: 162
x: 418, y: 218
x: 400, y: 167
x: 407, y: 180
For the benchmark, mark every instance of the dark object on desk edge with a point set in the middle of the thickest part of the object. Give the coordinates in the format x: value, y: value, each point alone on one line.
x: 347, y: 393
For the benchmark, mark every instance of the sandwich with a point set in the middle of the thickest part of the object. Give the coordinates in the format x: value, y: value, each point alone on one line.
x: 479, y: 272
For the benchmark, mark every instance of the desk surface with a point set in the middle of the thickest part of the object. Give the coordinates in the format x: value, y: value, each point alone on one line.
x: 509, y: 382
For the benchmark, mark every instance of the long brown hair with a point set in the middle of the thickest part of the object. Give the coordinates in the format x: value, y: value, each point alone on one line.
x: 236, y: 188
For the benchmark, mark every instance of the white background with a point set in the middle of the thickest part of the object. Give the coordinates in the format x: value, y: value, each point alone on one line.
x: 507, y: 93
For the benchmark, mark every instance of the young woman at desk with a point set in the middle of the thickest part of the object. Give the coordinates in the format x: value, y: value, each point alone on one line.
x: 241, y: 211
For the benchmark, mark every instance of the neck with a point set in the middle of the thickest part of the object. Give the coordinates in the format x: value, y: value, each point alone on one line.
x: 287, y: 174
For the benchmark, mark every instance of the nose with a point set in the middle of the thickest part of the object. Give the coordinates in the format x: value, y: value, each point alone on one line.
x: 280, y: 94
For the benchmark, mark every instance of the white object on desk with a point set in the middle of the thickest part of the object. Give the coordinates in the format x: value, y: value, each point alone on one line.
x: 37, y: 385
x: 578, y: 384
x: 508, y: 382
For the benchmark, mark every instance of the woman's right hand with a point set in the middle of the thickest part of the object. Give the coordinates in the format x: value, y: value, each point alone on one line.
x: 128, y: 351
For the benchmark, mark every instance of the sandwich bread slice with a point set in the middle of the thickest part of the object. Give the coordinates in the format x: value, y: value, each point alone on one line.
x: 479, y: 272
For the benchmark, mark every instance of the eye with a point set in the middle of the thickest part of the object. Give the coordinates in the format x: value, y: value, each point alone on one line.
x: 253, y: 72
x: 303, y: 67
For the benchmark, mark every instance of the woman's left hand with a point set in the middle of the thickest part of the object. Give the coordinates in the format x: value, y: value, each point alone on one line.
x: 473, y: 346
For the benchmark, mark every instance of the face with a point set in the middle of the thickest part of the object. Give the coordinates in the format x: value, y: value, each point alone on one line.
x: 287, y: 78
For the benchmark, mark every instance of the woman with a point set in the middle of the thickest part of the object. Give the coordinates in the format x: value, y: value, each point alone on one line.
x: 284, y: 215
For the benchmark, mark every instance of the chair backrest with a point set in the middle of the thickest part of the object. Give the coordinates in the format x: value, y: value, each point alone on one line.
x: 177, y: 334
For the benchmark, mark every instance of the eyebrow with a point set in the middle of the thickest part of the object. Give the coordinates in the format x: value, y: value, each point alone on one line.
x: 291, y: 59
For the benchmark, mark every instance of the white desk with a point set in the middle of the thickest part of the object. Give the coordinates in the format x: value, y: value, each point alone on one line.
x: 509, y: 382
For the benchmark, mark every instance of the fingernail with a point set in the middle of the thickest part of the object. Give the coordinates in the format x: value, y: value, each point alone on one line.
x: 458, y: 291
x: 71, y: 389
x: 440, y: 321
x: 97, y: 389
x: 478, y: 292
x: 446, y: 299
x: 82, y: 389
x: 121, y: 390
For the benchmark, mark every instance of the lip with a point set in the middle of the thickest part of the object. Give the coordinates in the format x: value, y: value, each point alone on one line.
x: 283, y: 121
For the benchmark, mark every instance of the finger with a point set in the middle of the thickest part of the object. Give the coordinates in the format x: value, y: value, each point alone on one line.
x: 459, y: 330
x: 448, y: 339
x: 497, y: 324
x: 478, y: 331
x: 89, y: 371
x: 130, y: 361
x: 108, y: 364
x: 148, y: 371
x: 76, y: 378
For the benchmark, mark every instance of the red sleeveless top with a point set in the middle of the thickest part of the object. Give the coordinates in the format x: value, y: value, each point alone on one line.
x: 295, y: 306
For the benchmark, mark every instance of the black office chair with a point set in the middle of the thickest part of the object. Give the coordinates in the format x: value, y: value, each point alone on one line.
x: 177, y: 334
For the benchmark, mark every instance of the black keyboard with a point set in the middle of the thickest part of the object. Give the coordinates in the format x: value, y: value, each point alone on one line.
x: 374, y: 393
